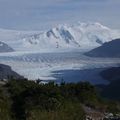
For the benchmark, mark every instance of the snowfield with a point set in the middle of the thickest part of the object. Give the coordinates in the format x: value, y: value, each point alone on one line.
x: 57, y: 54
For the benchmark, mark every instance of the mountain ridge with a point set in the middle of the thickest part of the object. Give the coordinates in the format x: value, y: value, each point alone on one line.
x: 78, y: 35
x: 68, y: 36
x: 109, y: 49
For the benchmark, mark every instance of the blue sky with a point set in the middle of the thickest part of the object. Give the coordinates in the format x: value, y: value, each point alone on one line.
x: 42, y: 14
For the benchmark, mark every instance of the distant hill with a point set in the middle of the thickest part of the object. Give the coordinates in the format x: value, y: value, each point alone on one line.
x: 6, y: 72
x: 5, y: 48
x: 108, y: 49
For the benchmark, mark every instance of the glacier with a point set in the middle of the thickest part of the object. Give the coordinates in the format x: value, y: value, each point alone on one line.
x: 40, y: 54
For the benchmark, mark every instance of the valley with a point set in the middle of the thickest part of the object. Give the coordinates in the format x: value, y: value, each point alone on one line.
x: 45, y: 65
x: 58, y: 53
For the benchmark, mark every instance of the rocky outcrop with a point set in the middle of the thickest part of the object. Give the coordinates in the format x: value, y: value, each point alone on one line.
x: 6, y: 73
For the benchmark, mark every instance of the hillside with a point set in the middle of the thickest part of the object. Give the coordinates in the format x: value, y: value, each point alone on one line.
x: 6, y: 72
x: 108, y: 49
x: 27, y: 100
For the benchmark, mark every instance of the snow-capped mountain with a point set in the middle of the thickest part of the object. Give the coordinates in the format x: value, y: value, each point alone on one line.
x: 80, y: 35
x: 39, y: 54
x: 13, y: 38
x: 5, y: 48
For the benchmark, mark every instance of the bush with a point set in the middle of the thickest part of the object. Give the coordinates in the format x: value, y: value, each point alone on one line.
x: 33, y: 101
x: 69, y: 111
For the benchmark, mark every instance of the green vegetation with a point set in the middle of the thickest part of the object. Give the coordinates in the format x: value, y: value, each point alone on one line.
x: 5, y: 113
x: 27, y: 100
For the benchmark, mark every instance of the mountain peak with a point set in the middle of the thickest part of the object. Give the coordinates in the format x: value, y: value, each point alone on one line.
x: 84, y: 35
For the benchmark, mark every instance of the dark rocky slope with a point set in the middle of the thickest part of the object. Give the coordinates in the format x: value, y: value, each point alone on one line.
x: 6, y: 72
x: 108, y: 49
